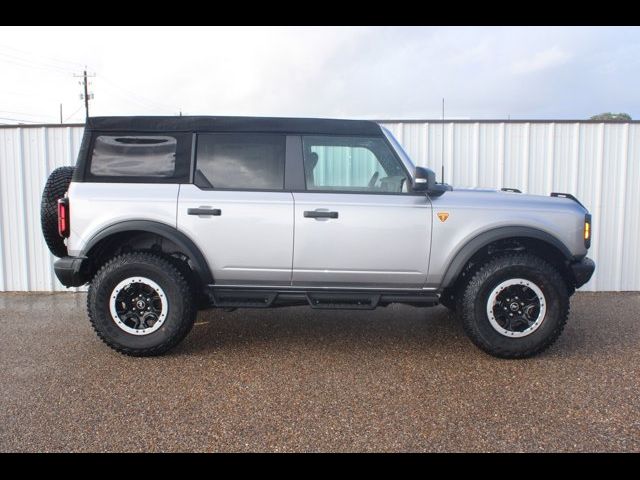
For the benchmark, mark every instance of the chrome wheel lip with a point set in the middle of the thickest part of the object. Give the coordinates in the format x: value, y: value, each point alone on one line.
x: 163, y: 311
x: 491, y: 302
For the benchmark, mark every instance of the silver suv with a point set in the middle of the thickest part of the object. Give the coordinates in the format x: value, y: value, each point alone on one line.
x: 163, y: 216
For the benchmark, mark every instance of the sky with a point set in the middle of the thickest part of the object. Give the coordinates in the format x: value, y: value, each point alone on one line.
x: 343, y: 72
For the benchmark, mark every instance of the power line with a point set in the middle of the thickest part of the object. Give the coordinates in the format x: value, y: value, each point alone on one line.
x: 138, y: 103
x: 21, y: 120
x: 128, y: 95
x: 34, y: 62
x: 144, y: 101
x: 37, y: 67
x: 59, y: 60
x: 70, y: 116
x: 24, y: 114
x: 26, y: 62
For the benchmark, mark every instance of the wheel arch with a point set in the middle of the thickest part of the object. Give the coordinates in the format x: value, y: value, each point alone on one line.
x: 185, y: 244
x: 533, y: 237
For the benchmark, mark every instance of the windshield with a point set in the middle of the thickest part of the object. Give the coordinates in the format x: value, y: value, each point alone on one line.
x: 399, y: 150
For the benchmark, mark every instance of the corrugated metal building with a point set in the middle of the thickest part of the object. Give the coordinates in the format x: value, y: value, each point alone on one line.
x: 597, y: 162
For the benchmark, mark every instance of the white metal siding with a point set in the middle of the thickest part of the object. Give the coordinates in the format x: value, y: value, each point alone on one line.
x: 599, y: 163
x: 27, y: 156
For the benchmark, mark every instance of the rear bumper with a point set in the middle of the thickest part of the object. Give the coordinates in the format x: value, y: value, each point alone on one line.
x: 582, y: 271
x: 69, y: 271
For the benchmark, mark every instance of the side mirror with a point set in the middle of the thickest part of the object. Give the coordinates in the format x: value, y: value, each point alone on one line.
x: 421, y: 179
x: 424, y: 180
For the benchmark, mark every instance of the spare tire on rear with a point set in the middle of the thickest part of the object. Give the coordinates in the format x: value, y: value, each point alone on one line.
x: 55, y: 188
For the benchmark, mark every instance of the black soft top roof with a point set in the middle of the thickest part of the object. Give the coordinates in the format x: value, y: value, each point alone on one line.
x: 234, y: 124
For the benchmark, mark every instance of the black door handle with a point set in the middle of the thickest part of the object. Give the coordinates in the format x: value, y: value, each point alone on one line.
x: 204, y: 211
x: 317, y: 214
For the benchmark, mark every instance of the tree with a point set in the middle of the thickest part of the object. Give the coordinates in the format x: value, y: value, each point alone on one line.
x: 612, y: 117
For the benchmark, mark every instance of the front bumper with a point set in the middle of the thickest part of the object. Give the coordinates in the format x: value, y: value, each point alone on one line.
x: 69, y: 271
x: 582, y: 271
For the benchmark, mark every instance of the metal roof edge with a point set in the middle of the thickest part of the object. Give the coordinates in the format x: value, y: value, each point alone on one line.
x: 393, y: 120
x: 439, y: 120
x: 41, y: 125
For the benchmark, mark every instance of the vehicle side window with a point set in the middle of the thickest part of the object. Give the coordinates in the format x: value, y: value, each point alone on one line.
x: 243, y: 161
x: 134, y: 156
x: 352, y: 164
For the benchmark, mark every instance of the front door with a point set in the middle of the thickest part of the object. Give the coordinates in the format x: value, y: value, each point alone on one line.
x: 357, y: 225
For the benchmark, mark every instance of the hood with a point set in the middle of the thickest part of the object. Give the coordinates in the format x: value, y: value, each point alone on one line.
x: 510, y: 199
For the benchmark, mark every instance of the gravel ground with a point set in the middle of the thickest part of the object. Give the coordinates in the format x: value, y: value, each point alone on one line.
x: 296, y: 379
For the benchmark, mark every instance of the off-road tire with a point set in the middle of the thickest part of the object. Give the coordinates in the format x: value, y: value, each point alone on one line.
x: 182, y: 308
x: 473, y: 304
x: 55, y: 189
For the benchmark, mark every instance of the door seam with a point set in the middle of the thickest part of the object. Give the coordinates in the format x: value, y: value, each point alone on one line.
x: 293, y: 240
x: 177, y: 205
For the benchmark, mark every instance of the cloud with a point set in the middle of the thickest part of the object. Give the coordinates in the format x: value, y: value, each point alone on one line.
x: 363, y: 72
x: 543, y: 60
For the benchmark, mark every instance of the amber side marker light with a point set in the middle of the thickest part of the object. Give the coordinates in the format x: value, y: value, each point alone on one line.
x: 587, y: 230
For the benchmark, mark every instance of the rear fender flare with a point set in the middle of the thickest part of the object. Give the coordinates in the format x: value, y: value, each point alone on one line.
x: 187, y: 245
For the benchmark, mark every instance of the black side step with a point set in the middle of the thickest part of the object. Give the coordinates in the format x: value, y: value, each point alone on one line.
x: 242, y: 298
x: 256, y: 297
x: 350, y: 301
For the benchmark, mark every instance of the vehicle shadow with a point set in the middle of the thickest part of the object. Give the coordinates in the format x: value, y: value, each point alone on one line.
x: 598, y: 326
x: 396, y: 326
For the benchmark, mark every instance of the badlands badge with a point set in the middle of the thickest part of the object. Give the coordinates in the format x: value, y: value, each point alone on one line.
x: 443, y: 216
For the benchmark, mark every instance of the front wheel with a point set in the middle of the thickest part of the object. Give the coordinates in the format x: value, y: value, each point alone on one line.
x: 140, y: 304
x: 515, y: 306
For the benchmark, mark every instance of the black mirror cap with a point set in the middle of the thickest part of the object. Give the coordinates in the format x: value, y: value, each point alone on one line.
x: 425, y: 181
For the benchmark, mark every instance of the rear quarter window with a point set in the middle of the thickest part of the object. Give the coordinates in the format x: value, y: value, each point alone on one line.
x: 141, y: 158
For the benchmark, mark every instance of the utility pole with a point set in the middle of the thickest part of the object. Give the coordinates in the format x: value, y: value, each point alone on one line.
x: 86, y: 96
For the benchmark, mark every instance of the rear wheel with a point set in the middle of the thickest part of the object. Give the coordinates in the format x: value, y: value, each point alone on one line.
x: 140, y: 304
x: 515, y: 306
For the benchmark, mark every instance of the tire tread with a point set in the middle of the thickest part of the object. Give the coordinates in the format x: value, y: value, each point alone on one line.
x: 466, y: 305
x: 55, y: 188
x: 186, y: 292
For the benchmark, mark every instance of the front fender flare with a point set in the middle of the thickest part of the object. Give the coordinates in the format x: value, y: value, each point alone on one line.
x: 464, y: 254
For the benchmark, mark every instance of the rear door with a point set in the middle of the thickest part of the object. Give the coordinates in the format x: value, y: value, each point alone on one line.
x: 237, y: 211
x: 357, y: 224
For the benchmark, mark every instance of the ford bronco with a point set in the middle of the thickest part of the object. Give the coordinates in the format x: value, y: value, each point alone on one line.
x: 163, y: 216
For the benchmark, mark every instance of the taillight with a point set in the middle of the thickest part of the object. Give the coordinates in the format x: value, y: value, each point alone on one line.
x: 63, y: 217
x: 587, y: 230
